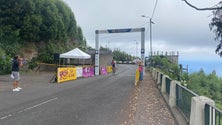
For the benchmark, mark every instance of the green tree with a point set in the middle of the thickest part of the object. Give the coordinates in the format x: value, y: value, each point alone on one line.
x: 121, y: 55
x: 163, y: 63
x: 44, y: 22
x: 206, y: 84
x: 5, y: 63
x: 216, y: 24
x: 216, y: 27
x: 48, y: 25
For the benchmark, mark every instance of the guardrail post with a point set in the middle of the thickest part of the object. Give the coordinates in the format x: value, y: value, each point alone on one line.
x: 172, y: 98
x: 158, y: 78
x: 163, y: 87
x: 156, y: 75
x: 197, y: 109
x: 153, y: 71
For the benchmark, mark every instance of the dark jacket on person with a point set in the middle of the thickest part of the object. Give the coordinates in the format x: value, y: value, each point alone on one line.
x: 15, y: 65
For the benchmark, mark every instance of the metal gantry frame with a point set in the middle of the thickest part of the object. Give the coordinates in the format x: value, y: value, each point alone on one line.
x: 128, y: 30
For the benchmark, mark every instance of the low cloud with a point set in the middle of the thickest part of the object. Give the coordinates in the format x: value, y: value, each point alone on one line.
x: 177, y: 27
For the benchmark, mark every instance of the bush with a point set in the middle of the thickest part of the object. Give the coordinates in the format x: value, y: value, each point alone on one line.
x: 166, y: 66
x: 32, y: 64
x: 6, y: 63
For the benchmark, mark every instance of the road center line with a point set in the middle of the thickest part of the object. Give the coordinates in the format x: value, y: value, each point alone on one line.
x: 5, y: 117
x: 37, y: 105
x: 29, y: 108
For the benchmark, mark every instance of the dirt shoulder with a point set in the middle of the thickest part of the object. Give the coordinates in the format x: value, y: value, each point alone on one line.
x: 147, y: 106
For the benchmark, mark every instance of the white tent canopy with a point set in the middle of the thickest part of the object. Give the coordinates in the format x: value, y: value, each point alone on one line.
x: 75, y: 53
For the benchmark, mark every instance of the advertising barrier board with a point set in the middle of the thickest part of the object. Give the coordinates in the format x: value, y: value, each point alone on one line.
x: 66, y: 74
x: 88, y: 71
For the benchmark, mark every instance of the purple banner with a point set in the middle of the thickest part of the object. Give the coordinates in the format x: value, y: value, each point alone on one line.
x: 103, y: 70
x: 88, y: 71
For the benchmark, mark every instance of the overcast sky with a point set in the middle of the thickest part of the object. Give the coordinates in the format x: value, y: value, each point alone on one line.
x: 177, y: 27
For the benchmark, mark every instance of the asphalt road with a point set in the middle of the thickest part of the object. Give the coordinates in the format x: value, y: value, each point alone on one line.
x: 86, y: 101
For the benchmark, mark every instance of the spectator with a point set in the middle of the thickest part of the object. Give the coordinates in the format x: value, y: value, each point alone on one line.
x: 141, y: 72
x: 113, y: 66
x: 16, y: 64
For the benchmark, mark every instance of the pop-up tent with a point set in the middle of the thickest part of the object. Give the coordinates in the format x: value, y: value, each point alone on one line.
x: 75, y: 53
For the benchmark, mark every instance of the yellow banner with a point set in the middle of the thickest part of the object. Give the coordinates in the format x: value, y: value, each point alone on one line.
x: 66, y: 74
x: 109, y: 69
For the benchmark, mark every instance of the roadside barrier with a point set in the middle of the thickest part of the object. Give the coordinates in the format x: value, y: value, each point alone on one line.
x: 194, y: 109
x: 66, y: 74
x: 137, y: 75
x: 79, y: 71
x: 109, y: 69
x: 103, y: 70
x: 88, y: 71
x: 70, y: 72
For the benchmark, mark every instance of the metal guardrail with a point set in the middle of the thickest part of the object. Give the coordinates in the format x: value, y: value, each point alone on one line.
x: 213, y: 115
x: 183, y: 100
x: 161, y: 78
x: 168, y: 80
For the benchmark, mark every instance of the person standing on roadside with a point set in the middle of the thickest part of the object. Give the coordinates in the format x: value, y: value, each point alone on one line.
x: 16, y: 64
x: 113, y: 66
x: 141, y: 72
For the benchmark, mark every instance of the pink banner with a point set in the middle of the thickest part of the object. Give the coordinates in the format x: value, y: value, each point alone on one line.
x: 103, y: 70
x: 88, y: 71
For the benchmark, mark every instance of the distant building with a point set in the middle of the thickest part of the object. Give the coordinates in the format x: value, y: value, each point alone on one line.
x: 172, y: 56
x: 105, y: 57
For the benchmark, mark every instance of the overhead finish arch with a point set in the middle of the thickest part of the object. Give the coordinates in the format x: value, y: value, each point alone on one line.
x: 128, y: 30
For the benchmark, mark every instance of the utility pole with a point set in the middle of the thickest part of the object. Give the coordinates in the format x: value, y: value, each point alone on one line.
x: 151, y: 22
x: 151, y: 52
x: 136, y: 48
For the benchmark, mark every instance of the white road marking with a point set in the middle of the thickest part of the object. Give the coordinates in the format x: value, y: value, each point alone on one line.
x: 37, y: 105
x: 5, y: 117
x: 29, y: 108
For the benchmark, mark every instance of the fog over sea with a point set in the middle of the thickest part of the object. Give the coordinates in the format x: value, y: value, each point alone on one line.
x: 207, y: 65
